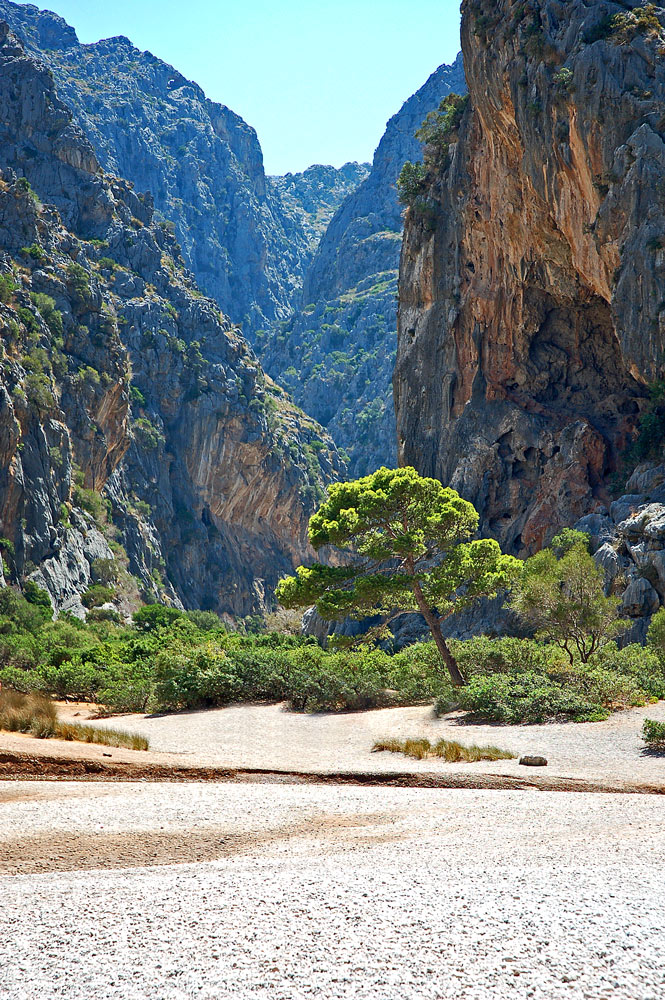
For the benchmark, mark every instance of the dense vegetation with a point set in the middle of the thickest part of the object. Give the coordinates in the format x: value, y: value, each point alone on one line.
x: 167, y: 660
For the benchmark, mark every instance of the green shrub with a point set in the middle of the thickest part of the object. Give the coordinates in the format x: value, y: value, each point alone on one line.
x: 7, y: 288
x: 91, y: 501
x: 35, y: 252
x: 411, y: 183
x: 439, y: 125
x: 97, y: 594
x: 23, y: 184
x: 72, y: 680
x: 147, y: 435
x: 38, y: 392
x: 643, y: 664
x: 104, y: 570
x: 29, y: 321
x: 642, y: 20
x: 563, y: 79
x: 653, y: 733
x: 104, y: 615
x: 79, y: 281
x: 51, y: 316
x: 525, y: 697
x: 35, y: 594
x: 155, y: 616
x: 483, y: 655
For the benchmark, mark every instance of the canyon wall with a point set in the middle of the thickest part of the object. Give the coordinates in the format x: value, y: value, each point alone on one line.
x: 532, y: 279
x: 139, y: 436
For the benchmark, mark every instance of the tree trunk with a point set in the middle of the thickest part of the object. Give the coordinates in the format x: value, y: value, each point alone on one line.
x: 456, y: 675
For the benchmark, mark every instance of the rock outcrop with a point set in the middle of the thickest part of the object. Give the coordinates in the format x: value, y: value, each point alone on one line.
x: 139, y: 437
x: 628, y: 542
x: 246, y: 244
x: 532, y: 305
x: 336, y: 353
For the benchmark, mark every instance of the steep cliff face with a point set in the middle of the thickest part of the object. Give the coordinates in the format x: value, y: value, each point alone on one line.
x: 136, y: 426
x: 201, y: 162
x: 336, y: 353
x: 532, y: 278
x: 315, y: 194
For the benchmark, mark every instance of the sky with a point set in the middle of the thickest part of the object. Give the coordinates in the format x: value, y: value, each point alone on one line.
x: 318, y: 81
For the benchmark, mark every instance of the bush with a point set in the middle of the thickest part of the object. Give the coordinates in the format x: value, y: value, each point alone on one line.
x: 51, y: 316
x: 643, y: 664
x: 35, y: 252
x: 147, y: 435
x: 642, y: 20
x: 411, y: 182
x: 653, y: 733
x: 7, y: 288
x: 104, y: 570
x: 38, y: 391
x: 79, y: 281
x: 525, y: 697
x: 656, y: 635
x: 97, y: 594
x: 72, y: 680
x: 35, y: 594
x: 440, y: 125
x: 155, y: 616
x: 483, y: 655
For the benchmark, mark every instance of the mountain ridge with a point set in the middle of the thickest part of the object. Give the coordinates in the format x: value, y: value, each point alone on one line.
x: 136, y: 426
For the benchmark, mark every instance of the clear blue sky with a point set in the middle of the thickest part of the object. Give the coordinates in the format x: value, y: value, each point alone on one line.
x: 318, y: 81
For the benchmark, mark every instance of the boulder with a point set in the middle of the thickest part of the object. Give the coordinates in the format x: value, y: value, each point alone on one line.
x: 626, y: 507
x: 599, y: 527
x: 645, y: 479
x: 639, y: 599
x: 607, y: 558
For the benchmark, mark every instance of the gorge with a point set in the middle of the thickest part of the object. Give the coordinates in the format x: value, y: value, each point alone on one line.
x: 530, y: 327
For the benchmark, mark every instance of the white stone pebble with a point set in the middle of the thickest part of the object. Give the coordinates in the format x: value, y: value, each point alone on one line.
x: 432, y: 894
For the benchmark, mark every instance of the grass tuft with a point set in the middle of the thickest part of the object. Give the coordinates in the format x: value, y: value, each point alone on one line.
x: 450, y: 750
x: 38, y: 716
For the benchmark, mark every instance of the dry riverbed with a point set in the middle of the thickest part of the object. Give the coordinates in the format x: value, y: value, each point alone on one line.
x: 268, y: 736
x: 174, y: 891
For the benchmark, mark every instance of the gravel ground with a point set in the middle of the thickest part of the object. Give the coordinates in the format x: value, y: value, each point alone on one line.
x: 268, y: 736
x: 336, y: 892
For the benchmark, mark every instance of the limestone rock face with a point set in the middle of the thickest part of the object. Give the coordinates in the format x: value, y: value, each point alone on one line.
x: 336, y: 353
x: 136, y: 425
x: 246, y: 244
x: 315, y: 194
x: 533, y: 272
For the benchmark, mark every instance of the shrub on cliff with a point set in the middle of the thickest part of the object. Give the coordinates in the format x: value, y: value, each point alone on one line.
x: 440, y: 125
x: 406, y: 544
x: 411, y: 183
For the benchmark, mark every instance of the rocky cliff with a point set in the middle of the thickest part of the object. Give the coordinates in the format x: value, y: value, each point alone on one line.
x: 247, y: 238
x: 139, y: 439
x: 532, y: 305
x: 315, y: 194
x: 337, y: 351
